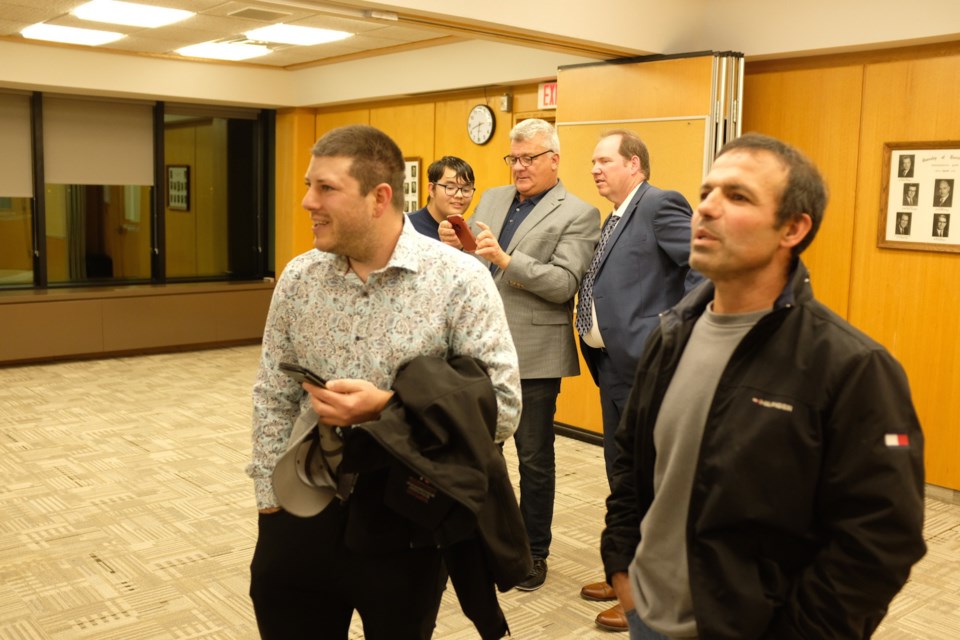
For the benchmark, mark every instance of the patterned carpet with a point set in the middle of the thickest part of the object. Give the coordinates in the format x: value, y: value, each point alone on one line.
x: 125, y: 514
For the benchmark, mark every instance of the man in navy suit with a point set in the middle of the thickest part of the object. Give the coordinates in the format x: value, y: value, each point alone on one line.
x: 640, y: 269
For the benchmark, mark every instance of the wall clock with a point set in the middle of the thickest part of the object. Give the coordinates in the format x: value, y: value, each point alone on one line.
x: 480, y: 124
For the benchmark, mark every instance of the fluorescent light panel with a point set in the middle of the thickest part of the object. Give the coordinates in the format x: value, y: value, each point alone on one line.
x: 224, y: 50
x: 70, y: 35
x: 291, y: 34
x: 129, y: 13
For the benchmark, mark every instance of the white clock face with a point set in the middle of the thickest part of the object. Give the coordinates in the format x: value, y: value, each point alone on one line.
x: 480, y: 124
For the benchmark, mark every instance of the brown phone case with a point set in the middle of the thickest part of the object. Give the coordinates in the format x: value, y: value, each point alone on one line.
x: 463, y: 232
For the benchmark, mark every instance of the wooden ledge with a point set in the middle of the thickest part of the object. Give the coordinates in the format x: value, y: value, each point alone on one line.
x: 61, y: 294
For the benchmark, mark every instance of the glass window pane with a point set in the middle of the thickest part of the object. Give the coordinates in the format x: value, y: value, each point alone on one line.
x: 210, y: 216
x: 97, y: 233
x: 16, y: 229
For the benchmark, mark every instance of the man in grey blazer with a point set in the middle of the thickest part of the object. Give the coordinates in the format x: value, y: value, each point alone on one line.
x: 537, y: 239
x: 640, y: 269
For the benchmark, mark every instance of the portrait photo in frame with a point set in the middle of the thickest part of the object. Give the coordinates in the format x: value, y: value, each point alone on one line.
x: 917, y: 202
x: 411, y: 185
x: 178, y: 187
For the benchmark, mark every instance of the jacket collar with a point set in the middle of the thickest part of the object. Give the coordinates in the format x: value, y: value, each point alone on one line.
x: 549, y: 200
x: 628, y: 211
x: 798, y: 290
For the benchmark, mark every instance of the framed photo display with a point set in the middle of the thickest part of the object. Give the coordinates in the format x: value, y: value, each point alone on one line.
x: 411, y: 185
x: 178, y: 187
x: 918, y: 196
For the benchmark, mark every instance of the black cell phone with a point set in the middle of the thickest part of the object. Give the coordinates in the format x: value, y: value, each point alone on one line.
x: 302, y: 374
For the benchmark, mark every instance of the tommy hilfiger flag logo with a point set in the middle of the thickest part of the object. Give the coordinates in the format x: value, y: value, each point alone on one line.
x: 896, y: 440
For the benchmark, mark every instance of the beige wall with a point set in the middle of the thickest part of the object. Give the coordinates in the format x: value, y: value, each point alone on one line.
x: 755, y: 27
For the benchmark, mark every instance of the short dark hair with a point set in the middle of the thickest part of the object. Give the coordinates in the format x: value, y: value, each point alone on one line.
x: 805, y: 192
x: 464, y: 172
x: 376, y: 158
x: 631, y: 145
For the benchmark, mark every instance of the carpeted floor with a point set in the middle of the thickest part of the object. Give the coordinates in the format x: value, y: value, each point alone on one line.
x: 125, y: 513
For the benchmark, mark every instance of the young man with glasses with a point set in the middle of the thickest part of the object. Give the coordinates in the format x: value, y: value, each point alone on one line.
x: 537, y: 239
x: 450, y: 191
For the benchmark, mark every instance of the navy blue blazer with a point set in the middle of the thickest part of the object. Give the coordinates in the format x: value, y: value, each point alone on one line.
x: 645, y: 271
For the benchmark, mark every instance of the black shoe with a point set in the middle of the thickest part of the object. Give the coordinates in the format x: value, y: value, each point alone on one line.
x: 536, y: 577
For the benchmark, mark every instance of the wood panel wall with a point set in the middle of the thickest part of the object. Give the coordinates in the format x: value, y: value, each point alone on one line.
x: 434, y: 126
x: 295, y: 135
x: 667, y: 103
x: 16, y: 244
x: 828, y: 131
x: 840, y: 111
x: 195, y: 245
x: 426, y: 127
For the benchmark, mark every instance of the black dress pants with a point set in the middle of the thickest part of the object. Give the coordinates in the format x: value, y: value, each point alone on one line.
x: 305, y: 583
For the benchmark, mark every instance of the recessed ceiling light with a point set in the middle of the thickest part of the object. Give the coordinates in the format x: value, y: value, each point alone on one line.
x: 290, y: 34
x: 70, y: 35
x: 129, y: 13
x: 225, y: 50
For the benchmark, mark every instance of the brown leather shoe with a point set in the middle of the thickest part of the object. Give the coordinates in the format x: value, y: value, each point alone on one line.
x: 598, y: 592
x: 613, y: 619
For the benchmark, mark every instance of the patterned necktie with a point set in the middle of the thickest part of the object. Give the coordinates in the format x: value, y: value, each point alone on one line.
x: 585, y: 300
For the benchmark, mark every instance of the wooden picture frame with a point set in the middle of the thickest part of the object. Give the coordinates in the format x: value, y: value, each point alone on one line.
x: 411, y: 184
x: 178, y: 187
x: 919, y: 207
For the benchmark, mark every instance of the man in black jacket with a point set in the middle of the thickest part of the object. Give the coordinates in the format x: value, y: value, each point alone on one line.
x: 769, y: 476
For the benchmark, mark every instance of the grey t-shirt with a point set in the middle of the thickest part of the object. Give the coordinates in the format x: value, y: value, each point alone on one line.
x: 659, y: 574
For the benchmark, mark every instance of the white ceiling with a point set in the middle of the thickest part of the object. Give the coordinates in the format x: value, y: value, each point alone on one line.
x: 435, y: 45
x: 616, y: 28
x: 219, y: 20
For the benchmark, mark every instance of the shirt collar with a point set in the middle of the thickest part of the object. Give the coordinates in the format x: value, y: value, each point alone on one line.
x: 405, y: 254
x: 622, y: 209
x: 535, y: 200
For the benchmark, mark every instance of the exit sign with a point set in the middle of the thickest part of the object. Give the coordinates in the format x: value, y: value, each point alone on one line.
x: 547, y: 95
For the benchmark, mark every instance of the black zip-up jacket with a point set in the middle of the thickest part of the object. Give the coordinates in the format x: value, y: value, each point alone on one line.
x: 431, y: 475
x: 806, y: 511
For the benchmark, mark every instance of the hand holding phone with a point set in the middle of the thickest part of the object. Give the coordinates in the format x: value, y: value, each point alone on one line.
x: 464, y: 235
x: 302, y: 374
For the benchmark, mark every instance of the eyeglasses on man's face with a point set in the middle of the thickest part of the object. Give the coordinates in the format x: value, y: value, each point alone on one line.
x: 525, y: 161
x: 451, y: 189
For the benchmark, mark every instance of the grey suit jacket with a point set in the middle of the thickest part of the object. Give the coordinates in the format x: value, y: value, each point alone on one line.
x: 549, y: 254
x: 644, y: 272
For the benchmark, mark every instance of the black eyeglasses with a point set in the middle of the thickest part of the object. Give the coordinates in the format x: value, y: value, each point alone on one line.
x: 525, y: 161
x: 451, y: 189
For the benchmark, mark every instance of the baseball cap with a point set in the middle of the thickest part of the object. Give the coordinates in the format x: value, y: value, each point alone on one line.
x: 304, y: 476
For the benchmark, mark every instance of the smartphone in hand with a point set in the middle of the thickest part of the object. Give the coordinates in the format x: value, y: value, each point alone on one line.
x: 302, y: 374
x: 464, y: 235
